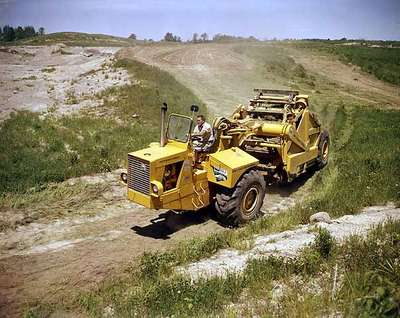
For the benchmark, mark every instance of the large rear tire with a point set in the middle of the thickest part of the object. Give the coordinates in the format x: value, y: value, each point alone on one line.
x: 241, y: 204
x: 323, y: 150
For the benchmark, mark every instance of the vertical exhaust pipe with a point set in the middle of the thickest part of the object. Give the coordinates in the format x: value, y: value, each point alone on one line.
x: 163, y: 140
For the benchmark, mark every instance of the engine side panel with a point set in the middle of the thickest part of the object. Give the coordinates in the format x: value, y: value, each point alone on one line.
x: 227, y: 166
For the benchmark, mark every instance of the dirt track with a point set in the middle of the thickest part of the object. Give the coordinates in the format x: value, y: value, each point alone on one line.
x: 221, y: 77
x: 45, y: 259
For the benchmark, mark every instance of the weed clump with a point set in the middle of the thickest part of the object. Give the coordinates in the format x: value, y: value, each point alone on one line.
x: 324, y: 243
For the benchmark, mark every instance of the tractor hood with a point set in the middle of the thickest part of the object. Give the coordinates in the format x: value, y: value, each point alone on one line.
x: 156, y: 153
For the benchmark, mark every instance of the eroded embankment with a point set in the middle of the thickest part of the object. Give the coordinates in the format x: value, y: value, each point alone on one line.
x: 289, y: 243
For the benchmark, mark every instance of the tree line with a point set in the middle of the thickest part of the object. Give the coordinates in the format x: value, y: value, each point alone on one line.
x: 202, y: 38
x: 9, y: 33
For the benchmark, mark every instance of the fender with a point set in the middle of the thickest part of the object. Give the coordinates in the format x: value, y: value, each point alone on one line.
x: 226, y: 167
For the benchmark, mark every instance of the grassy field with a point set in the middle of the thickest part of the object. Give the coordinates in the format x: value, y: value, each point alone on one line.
x: 382, y: 62
x: 76, y: 39
x: 363, y: 170
x: 278, y: 67
x: 367, y: 287
x: 58, y: 148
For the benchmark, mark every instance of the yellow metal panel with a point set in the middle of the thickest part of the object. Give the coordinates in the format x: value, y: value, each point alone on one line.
x: 144, y: 200
x: 294, y: 161
x: 170, y: 195
x: 171, y: 152
x: 227, y: 166
x: 235, y: 158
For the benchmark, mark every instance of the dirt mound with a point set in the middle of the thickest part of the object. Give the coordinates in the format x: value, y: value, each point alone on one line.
x: 56, y: 78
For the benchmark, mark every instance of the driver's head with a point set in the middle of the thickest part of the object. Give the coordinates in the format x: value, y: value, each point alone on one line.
x: 200, y: 120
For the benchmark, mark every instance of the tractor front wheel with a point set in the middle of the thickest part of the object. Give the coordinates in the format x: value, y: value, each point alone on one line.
x: 242, y: 203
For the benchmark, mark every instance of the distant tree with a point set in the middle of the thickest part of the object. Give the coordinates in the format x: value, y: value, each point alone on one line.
x: 195, y: 37
x: 204, y: 37
x: 8, y: 33
x: 41, y: 31
x: 169, y: 37
x: 29, y: 31
x: 19, y: 33
x: 132, y: 36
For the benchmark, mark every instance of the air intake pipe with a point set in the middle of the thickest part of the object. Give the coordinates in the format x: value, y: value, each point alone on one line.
x: 163, y: 139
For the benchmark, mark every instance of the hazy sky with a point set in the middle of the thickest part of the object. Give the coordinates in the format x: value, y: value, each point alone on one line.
x: 368, y: 19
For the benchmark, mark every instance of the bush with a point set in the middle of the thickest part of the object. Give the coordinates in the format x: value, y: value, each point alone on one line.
x: 324, y: 243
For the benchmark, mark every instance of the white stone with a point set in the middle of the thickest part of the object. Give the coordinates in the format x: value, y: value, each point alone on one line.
x: 320, y: 217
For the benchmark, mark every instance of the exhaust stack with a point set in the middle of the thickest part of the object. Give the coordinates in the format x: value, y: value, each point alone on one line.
x: 163, y: 140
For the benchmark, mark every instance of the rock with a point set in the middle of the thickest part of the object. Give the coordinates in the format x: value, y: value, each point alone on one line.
x: 26, y: 220
x: 91, y: 52
x: 108, y: 311
x: 320, y: 217
x: 55, y: 49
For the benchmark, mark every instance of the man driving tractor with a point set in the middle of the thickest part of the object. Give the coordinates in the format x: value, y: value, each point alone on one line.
x: 203, y: 136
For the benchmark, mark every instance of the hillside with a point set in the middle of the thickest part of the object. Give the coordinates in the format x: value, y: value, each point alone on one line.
x: 77, y: 39
x: 116, y: 260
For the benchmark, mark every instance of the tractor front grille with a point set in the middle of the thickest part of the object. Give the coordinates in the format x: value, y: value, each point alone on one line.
x: 138, y: 175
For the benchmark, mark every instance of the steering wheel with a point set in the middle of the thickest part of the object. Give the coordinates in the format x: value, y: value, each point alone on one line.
x: 196, y: 138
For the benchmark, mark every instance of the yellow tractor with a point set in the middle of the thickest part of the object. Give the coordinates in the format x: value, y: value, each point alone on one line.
x: 274, y: 138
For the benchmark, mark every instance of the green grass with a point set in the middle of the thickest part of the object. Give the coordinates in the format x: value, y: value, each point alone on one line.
x: 276, y: 66
x: 151, y: 288
x: 363, y: 170
x: 36, y: 150
x: 365, y: 164
x: 53, y: 202
x: 350, y: 182
x: 48, y: 70
x: 368, y: 279
x: 382, y: 62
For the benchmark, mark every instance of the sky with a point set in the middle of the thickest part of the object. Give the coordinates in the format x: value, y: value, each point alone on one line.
x: 264, y: 19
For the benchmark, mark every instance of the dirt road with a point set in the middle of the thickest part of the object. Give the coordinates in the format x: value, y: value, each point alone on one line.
x: 43, y: 259
x: 221, y: 77
x: 47, y: 259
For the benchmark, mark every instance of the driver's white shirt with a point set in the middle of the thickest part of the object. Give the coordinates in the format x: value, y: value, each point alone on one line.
x: 206, y: 127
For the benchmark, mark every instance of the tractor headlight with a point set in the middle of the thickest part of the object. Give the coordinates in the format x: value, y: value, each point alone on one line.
x: 157, y: 188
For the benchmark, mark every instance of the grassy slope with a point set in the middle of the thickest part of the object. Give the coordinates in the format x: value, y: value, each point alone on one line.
x: 62, y: 147
x: 363, y: 170
x: 367, y: 285
x: 76, y: 39
x: 382, y: 62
